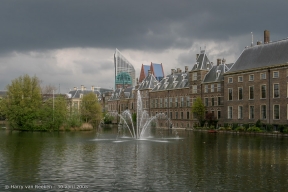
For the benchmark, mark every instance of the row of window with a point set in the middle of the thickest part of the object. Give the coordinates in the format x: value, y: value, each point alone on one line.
x: 206, y: 88
x: 263, y: 112
x: 177, y: 115
x: 214, y: 101
x: 263, y: 92
x: 212, y: 88
x: 251, y: 77
x: 173, y: 102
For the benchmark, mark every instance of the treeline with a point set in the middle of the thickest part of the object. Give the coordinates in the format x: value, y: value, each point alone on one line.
x: 25, y: 108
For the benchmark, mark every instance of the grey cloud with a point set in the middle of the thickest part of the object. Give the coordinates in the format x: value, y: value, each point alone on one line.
x: 36, y: 25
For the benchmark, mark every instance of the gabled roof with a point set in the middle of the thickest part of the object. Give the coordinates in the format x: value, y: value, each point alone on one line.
x: 77, y: 93
x: 116, y: 94
x: 148, y: 83
x: 143, y: 72
x: 264, y: 55
x: 127, y: 93
x: 157, y: 70
x: 216, y: 73
x: 202, y: 62
x: 173, y: 81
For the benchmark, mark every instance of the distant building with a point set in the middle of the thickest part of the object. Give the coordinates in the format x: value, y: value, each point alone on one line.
x: 76, y: 96
x: 124, y: 71
x: 156, y: 69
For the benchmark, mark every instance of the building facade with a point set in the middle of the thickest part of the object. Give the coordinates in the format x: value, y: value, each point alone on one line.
x: 253, y: 88
x: 124, y: 71
x: 256, y: 87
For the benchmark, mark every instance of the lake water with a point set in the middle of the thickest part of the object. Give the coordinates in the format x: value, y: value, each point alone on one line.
x: 196, y: 161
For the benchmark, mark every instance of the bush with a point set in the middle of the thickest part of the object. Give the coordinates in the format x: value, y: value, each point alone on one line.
x: 240, y: 129
x: 285, y: 130
x: 234, y: 126
x: 254, y: 129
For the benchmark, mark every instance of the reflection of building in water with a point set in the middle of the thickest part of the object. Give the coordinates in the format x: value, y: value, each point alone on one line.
x: 124, y: 71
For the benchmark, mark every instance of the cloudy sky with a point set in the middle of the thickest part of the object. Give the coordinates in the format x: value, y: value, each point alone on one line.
x: 71, y: 42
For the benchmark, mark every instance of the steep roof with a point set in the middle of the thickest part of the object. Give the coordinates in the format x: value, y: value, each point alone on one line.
x: 216, y: 73
x: 173, y: 81
x: 264, y: 55
x: 202, y: 62
x: 157, y: 70
x: 116, y: 94
x: 148, y: 83
x: 144, y: 72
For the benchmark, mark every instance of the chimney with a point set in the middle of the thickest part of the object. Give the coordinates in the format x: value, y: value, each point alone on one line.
x: 266, y: 36
x: 178, y: 70
x: 218, y: 62
x: 172, y: 71
x: 75, y: 88
x: 82, y: 87
x: 223, y: 61
x: 197, y: 55
x: 149, y: 72
x: 186, y: 69
x: 137, y: 80
x: 259, y: 42
x: 92, y: 88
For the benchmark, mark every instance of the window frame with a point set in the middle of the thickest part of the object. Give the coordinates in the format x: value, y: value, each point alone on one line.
x: 240, y: 112
x: 274, y: 112
x: 251, y: 77
x: 251, y: 95
x: 274, y: 90
x: 261, y: 110
x: 274, y: 74
x: 230, y: 112
x: 229, y: 94
x: 261, y: 91
x: 253, y: 112
x: 240, y: 78
x: 230, y: 79
x: 239, y: 93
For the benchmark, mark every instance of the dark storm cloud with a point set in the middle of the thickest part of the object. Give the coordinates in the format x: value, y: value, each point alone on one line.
x: 52, y: 24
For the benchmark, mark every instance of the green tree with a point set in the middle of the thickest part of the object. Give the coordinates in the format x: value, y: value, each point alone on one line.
x: 22, y: 103
x: 91, y: 110
x: 53, y: 113
x: 198, y: 109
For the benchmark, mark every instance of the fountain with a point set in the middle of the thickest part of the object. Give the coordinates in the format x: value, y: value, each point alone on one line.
x: 143, y: 120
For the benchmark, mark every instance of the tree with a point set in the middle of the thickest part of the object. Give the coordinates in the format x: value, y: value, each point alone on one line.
x: 211, y: 120
x: 91, y: 110
x: 23, y: 101
x: 198, y: 109
x: 53, y: 113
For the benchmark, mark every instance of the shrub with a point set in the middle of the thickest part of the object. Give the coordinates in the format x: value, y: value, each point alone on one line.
x: 254, y: 129
x: 240, y: 129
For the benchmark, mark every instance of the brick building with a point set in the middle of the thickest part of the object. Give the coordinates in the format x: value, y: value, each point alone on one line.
x: 171, y: 97
x: 256, y: 87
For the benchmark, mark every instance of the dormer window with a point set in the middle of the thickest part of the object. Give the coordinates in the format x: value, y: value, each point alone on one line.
x: 218, y: 72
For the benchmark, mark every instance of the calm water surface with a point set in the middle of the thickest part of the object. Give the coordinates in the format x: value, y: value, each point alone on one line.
x: 196, y: 161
